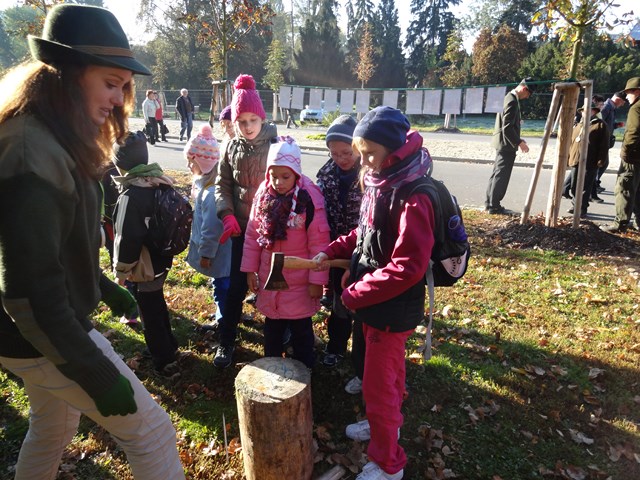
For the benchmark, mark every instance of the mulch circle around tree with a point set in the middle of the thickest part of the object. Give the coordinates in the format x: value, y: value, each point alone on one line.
x: 587, y: 239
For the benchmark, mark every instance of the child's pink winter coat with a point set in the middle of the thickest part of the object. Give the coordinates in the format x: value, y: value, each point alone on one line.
x: 302, y: 242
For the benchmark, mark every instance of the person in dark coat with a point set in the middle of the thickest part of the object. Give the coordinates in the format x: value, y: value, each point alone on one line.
x: 507, y: 141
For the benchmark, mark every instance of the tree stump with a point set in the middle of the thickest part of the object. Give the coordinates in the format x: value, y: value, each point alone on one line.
x: 276, y: 423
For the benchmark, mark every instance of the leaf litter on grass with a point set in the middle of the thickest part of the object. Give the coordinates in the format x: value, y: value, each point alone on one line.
x: 534, y: 374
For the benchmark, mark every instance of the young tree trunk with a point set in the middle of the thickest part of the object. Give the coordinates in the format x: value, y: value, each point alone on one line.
x: 273, y: 396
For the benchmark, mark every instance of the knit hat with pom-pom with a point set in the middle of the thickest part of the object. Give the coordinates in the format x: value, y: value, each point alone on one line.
x: 285, y: 152
x: 203, y: 149
x: 245, y: 98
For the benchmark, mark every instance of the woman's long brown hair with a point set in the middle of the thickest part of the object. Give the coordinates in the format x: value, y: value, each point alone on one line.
x: 54, y: 96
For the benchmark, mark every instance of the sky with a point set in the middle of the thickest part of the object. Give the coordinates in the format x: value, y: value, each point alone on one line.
x: 126, y: 10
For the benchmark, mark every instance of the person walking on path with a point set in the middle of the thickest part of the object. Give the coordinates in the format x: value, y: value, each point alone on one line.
x: 628, y: 181
x: 287, y: 216
x: 162, y: 128
x: 386, y: 287
x: 185, y: 108
x: 507, y: 141
x: 241, y: 171
x: 68, y: 107
x: 149, y: 108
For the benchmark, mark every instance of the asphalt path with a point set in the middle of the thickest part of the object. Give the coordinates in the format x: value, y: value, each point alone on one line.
x: 466, y: 179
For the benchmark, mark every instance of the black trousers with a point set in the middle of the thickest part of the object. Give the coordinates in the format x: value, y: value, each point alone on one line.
x: 235, y: 297
x: 499, y: 180
x: 301, y: 338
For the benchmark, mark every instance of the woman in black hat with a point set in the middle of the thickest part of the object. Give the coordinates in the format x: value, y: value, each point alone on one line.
x: 56, y: 134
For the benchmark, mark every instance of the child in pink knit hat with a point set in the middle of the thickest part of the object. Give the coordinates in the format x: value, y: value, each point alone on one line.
x: 241, y: 170
x: 287, y: 216
x: 209, y: 254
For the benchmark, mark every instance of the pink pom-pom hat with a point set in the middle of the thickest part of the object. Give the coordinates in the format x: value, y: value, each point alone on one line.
x: 246, y: 98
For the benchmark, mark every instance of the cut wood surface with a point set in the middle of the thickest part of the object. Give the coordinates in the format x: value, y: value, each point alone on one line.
x: 273, y: 396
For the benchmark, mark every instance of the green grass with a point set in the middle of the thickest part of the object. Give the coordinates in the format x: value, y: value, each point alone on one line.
x: 516, y: 346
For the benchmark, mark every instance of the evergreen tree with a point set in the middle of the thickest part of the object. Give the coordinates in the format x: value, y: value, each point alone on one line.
x: 427, y: 37
x: 319, y: 59
x: 390, y: 59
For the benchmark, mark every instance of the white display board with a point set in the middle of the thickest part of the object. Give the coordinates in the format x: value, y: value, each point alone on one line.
x: 390, y: 98
x: 315, y: 98
x: 432, y: 101
x: 285, y: 97
x: 330, y: 100
x: 297, y: 98
x: 346, y: 101
x: 473, y: 98
x: 495, y: 99
x: 451, y: 101
x: 414, y: 102
x: 362, y: 101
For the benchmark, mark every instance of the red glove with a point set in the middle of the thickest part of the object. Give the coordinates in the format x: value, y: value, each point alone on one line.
x: 231, y: 228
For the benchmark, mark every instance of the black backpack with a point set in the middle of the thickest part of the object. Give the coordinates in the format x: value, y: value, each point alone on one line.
x: 451, y: 250
x: 170, y: 224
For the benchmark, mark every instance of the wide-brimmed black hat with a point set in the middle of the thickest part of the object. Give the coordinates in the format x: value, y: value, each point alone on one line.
x: 84, y: 35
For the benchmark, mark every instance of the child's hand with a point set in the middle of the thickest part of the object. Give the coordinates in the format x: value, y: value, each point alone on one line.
x: 315, y: 291
x: 205, y: 262
x: 320, y: 260
x: 252, y: 281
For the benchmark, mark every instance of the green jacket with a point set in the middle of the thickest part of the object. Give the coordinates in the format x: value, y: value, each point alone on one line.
x: 506, y: 134
x: 241, y: 170
x: 630, y: 150
x: 49, y: 243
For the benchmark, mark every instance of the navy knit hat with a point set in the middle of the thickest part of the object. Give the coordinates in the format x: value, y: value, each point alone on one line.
x: 225, y: 114
x: 341, y: 130
x: 133, y: 153
x: 384, y: 125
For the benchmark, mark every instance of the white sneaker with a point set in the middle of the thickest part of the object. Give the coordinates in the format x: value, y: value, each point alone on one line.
x: 354, y: 386
x: 360, y: 431
x: 372, y: 471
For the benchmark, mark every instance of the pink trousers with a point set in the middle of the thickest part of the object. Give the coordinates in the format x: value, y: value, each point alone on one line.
x: 383, y: 388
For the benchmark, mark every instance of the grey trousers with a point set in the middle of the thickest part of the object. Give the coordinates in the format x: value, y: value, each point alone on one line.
x: 499, y: 180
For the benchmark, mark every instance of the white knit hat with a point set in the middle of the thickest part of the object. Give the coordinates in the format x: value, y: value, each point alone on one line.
x: 203, y: 149
x: 285, y: 152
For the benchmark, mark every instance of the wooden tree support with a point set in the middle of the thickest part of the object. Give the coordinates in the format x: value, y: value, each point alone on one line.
x: 565, y: 98
x: 273, y: 396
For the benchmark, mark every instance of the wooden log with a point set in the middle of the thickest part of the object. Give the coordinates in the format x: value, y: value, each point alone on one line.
x: 273, y: 396
x: 335, y: 473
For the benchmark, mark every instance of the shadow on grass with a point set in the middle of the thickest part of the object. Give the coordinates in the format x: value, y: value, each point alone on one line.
x: 483, y: 408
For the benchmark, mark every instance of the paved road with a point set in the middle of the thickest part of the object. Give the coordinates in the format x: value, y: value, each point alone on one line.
x: 466, y: 180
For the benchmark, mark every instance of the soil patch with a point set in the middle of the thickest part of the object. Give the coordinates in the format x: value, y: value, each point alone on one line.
x: 586, y: 240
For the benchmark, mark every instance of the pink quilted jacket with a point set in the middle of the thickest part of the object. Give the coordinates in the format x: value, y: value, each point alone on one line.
x: 303, y: 242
